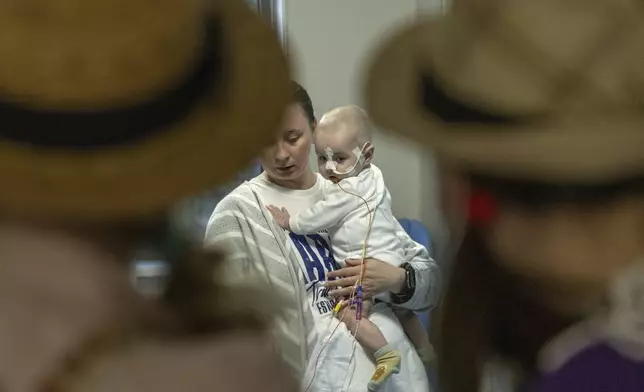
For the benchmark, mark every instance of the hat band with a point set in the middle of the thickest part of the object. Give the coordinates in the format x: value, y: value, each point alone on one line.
x: 118, y: 126
x: 453, y: 111
x: 538, y: 194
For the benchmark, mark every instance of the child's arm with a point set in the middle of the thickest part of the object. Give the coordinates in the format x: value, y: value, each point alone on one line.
x: 322, y: 215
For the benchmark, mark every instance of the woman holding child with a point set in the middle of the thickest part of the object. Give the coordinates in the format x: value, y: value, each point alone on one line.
x: 297, y: 267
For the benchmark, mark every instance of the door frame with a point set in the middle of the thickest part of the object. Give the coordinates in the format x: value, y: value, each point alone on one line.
x: 273, y: 12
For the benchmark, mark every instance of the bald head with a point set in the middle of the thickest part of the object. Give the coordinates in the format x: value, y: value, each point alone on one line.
x: 343, y: 142
x: 352, y: 121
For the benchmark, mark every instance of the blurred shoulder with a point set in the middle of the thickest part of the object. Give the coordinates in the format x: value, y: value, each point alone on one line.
x: 241, y: 194
x: 235, y: 362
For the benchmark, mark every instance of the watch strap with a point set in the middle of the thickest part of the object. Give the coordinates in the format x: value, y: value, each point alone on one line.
x: 409, y: 286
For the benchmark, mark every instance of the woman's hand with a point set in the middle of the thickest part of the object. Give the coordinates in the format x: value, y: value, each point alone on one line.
x: 379, y: 277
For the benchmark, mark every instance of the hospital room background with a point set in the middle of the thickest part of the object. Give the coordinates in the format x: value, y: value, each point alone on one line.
x: 328, y: 43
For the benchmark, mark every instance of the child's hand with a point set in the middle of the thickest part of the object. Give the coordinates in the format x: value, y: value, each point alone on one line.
x: 281, y: 216
x: 348, y: 314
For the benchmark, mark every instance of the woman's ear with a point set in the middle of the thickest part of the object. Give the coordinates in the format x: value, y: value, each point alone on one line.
x: 368, y: 153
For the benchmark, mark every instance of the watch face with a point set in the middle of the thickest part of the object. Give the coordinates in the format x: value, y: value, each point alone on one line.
x: 411, y: 278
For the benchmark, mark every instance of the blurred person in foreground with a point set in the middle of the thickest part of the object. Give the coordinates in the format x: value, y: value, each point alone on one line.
x: 112, y: 111
x: 538, y: 104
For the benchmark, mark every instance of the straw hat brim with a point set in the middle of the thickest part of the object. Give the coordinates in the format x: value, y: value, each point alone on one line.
x: 595, y: 150
x: 221, y: 136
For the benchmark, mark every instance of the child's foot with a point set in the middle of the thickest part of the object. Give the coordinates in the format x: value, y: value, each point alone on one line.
x: 387, y: 363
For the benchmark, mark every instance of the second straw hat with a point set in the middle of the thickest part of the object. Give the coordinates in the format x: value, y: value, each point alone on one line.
x: 549, y: 90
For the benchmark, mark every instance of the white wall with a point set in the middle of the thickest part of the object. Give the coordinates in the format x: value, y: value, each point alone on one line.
x: 330, y: 41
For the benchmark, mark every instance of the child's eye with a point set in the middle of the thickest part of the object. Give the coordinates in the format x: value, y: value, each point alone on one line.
x: 322, y: 158
x: 340, y: 160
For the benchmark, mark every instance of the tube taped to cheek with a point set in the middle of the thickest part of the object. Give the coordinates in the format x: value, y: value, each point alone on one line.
x: 332, y: 165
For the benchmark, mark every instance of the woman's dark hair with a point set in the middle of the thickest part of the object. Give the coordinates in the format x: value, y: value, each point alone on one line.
x: 486, y: 314
x: 300, y: 96
x: 486, y: 311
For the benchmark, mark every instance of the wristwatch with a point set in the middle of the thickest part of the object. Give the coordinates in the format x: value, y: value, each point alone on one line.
x: 409, y: 285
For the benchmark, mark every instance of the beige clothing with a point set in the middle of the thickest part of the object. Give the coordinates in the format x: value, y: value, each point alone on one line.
x: 56, y: 291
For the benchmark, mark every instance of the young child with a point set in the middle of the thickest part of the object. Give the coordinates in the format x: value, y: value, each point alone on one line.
x: 356, y: 211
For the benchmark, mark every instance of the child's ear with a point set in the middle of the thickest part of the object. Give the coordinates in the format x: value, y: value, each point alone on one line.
x: 368, y: 153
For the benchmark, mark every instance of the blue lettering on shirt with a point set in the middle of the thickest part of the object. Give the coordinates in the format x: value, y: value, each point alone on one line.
x: 316, y: 264
x: 317, y: 259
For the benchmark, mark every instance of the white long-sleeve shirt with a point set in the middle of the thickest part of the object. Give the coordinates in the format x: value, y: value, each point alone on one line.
x: 291, y: 263
x: 345, y: 212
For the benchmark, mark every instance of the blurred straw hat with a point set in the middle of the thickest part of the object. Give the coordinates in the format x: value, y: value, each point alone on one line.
x: 117, y: 108
x: 548, y: 90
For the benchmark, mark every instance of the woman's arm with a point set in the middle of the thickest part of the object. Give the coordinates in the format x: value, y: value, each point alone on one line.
x: 229, y: 230
x: 257, y: 254
x: 427, y: 276
x: 380, y: 277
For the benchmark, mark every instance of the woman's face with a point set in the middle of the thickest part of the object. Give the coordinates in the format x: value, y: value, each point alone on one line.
x: 287, y: 160
x: 569, y: 246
